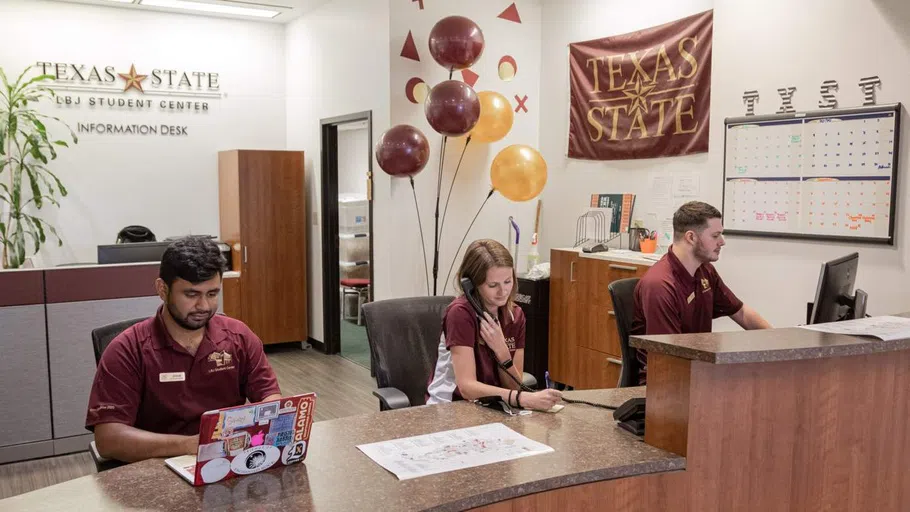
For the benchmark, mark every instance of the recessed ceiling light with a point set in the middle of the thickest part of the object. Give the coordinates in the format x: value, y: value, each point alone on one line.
x: 213, y: 8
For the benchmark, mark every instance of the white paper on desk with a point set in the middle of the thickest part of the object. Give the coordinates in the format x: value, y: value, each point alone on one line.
x: 429, y: 454
x: 885, y: 328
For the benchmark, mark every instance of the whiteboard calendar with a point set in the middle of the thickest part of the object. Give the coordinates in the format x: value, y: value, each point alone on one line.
x: 827, y: 174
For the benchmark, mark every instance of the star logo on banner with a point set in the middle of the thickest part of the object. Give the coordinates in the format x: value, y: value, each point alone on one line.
x: 638, y: 94
x: 133, y: 80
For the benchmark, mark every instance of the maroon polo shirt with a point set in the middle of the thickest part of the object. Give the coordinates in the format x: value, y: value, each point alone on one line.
x: 669, y: 300
x: 461, y: 327
x: 147, y: 380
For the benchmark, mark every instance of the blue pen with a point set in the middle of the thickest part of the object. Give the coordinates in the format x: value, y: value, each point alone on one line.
x: 546, y: 378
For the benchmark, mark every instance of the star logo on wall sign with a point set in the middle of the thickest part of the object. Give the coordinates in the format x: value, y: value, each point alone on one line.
x: 133, y: 80
x: 638, y: 95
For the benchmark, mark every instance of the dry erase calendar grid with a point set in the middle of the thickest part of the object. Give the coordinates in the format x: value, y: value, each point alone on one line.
x: 812, y: 176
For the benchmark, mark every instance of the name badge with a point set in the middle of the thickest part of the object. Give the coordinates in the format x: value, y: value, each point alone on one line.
x: 690, y: 298
x: 172, y: 377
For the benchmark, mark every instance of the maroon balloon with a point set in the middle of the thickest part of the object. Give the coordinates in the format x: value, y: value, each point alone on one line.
x: 452, y: 108
x: 456, y: 42
x: 402, y: 151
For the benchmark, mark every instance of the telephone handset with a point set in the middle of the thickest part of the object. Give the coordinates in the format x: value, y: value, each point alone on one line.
x: 468, y: 288
x: 631, y: 416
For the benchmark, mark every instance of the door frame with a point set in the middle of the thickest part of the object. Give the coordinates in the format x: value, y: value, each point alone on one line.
x: 331, y: 310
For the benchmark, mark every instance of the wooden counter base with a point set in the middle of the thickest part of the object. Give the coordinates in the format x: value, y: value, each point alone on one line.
x: 823, y: 434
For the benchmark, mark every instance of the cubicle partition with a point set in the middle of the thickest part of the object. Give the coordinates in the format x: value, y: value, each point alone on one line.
x: 48, y: 363
x: 25, y: 421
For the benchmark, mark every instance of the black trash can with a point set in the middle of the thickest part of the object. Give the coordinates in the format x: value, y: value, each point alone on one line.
x: 534, y: 300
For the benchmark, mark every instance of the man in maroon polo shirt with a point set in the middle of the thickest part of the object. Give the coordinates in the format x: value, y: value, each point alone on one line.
x: 156, y: 379
x: 683, y: 293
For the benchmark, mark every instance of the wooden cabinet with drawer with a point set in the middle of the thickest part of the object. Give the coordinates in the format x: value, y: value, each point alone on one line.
x: 584, y: 349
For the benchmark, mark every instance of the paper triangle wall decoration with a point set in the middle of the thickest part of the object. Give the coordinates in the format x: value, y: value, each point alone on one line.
x: 510, y: 14
x: 469, y: 77
x: 409, y: 50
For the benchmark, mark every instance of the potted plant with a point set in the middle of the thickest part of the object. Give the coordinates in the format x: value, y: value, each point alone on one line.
x: 26, y: 183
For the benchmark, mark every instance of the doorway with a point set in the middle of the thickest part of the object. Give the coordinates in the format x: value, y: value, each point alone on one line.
x: 347, y: 233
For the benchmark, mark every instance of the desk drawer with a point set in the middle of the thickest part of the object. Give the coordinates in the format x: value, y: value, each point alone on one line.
x: 597, y: 329
x: 617, y: 271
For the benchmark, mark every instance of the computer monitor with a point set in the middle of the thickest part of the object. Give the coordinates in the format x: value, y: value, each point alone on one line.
x: 137, y: 252
x: 835, y: 299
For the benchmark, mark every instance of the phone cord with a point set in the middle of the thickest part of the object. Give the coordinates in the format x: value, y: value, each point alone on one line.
x: 592, y: 404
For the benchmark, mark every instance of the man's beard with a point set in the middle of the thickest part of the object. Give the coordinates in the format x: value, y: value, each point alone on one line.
x: 185, y: 322
x: 703, y: 254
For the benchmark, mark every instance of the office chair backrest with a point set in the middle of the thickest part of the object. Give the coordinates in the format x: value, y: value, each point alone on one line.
x: 104, y: 335
x: 622, y: 292
x: 404, y: 336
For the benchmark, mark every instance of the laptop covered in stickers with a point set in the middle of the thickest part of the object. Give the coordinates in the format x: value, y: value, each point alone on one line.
x: 247, y: 439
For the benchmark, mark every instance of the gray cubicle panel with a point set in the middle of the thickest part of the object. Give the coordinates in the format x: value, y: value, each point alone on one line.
x: 25, y: 420
x: 79, y: 300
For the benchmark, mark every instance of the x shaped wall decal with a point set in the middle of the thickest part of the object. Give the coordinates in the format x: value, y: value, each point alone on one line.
x: 521, y: 103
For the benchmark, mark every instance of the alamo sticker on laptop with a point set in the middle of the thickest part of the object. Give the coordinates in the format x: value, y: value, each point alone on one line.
x: 247, y: 439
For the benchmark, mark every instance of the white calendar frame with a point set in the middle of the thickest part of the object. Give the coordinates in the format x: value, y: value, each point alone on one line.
x: 801, y: 118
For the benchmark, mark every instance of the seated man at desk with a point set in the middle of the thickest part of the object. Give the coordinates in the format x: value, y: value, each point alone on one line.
x: 156, y: 378
x: 683, y: 293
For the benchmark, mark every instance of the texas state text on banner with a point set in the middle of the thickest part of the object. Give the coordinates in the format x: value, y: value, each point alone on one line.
x: 644, y: 94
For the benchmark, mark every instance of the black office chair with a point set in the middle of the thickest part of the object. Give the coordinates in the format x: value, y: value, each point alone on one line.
x: 404, y: 338
x: 104, y: 335
x: 622, y: 293
x: 403, y: 335
x: 133, y: 234
x: 101, y: 338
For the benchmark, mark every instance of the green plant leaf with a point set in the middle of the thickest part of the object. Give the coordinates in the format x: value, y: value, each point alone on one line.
x: 20, y: 251
x: 32, y: 233
x: 61, y: 143
x: 38, y: 124
x: 60, y: 186
x: 19, y: 80
x: 39, y: 78
x: 36, y: 151
x: 33, y: 183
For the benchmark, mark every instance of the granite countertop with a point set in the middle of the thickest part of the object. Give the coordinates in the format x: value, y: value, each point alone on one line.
x: 617, y: 255
x: 337, y: 476
x: 784, y: 344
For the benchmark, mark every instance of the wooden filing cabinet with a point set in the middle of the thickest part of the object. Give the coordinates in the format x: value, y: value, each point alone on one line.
x: 584, y: 349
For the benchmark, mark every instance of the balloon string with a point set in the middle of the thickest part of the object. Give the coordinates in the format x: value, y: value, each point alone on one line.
x: 445, y: 283
x: 452, y: 185
x: 442, y: 155
x: 420, y: 228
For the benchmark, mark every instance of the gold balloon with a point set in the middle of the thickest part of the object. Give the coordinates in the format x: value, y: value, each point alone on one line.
x: 496, y: 117
x: 519, y: 172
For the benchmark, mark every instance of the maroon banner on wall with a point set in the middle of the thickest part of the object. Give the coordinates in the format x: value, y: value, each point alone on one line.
x: 643, y: 94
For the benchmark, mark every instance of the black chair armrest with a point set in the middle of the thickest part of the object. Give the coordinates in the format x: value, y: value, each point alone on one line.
x: 391, y: 398
x: 529, y: 380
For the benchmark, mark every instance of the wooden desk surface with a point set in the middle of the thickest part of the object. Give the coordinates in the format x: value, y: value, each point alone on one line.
x: 763, y: 346
x: 337, y: 476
